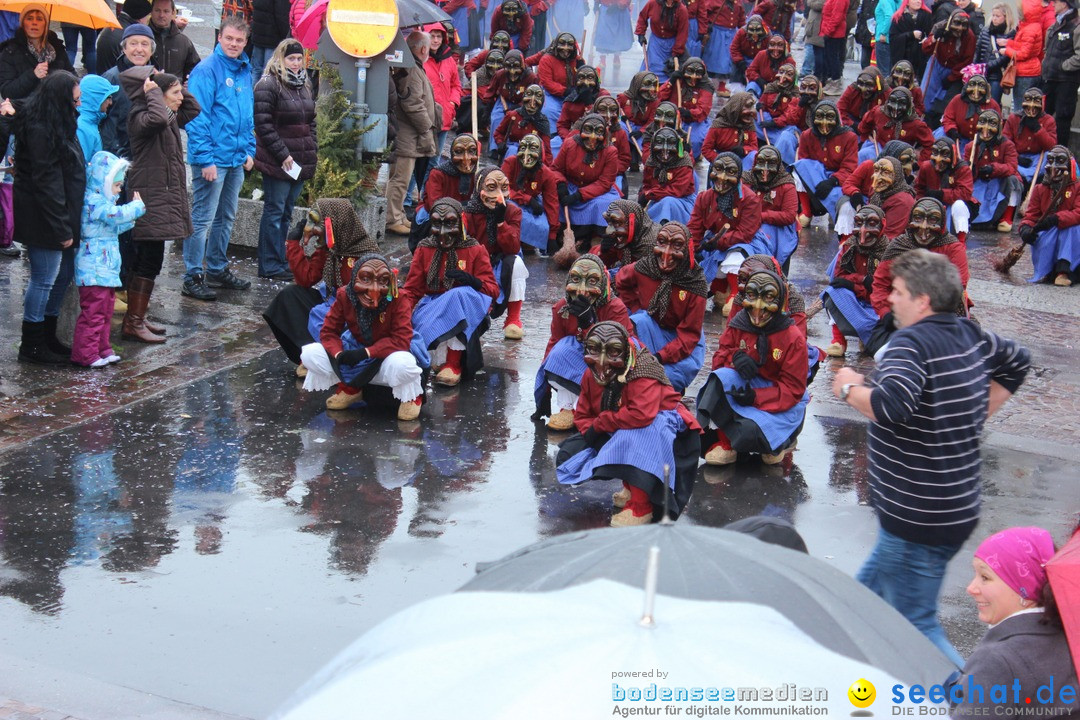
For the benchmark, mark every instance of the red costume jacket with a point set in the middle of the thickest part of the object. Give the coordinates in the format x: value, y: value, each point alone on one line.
x: 1028, y: 142
x: 591, y: 180
x: 474, y: 260
x: 785, y: 366
x: 724, y: 139
x: 514, y: 127
x: 308, y: 271
x: 513, y: 94
x: 856, y: 277
x: 956, y: 116
x: 917, y: 99
x: 507, y: 235
x: 439, y: 185
x: 478, y: 61
x: 685, y: 314
x: 897, y: 207
x: 572, y: 112
x: 958, y: 186
x: 879, y: 296
x: 725, y: 13
x: 544, y: 184
x: 498, y: 22
x: 877, y: 125
x: 639, y: 119
x: 613, y: 310
x: 1068, y: 210
x: 697, y: 100
x: 839, y: 154
x: 649, y: 17
x: 642, y: 400
x: 762, y: 70
x: 780, y: 206
x: 557, y: 75
x: 795, y: 115
x: 1002, y: 159
x: 951, y: 54
x: 775, y: 16
x: 621, y: 142
x: 743, y: 48
x: 744, y: 221
x: 680, y: 183
x: 775, y: 105
x: 391, y: 331
x: 852, y: 107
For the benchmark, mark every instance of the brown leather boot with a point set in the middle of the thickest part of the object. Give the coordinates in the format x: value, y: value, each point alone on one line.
x: 135, y: 318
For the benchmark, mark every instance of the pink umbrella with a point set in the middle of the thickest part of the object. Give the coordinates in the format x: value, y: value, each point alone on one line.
x: 310, y: 25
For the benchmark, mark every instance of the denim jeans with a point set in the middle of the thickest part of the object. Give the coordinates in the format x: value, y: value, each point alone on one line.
x: 908, y: 576
x: 809, y: 58
x: 213, y: 209
x: 259, y: 57
x: 884, y: 61
x: 279, y: 196
x: 1023, y: 84
x: 72, y: 33
x: 51, y: 271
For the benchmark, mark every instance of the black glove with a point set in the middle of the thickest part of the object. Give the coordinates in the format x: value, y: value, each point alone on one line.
x: 496, y: 154
x: 351, y: 357
x: 608, y: 243
x: 868, y: 284
x: 953, y: 134
x: 1027, y: 234
x: 636, y: 135
x: 742, y: 65
x: 583, y: 310
x: 701, y: 38
x: 685, y: 115
x: 641, y: 40
x: 499, y: 213
x: 536, y: 207
x: 806, y: 101
x: 1047, y: 222
x: 938, y: 31
x: 857, y: 200
x: 563, y: 192
x: 985, y: 172
x: 595, y: 439
x: 823, y: 188
x: 744, y: 395
x: 460, y: 277
x: 573, y: 199
x: 1031, y: 123
x: 936, y: 194
x: 708, y: 244
x: 739, y: 150
x: 843, y: 283
x: 744, y: 365
x: 1026, y: 161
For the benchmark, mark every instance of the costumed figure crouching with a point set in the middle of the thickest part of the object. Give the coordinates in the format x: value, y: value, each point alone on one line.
x: 733, y: 129
x: 690, y: 86
x: 631, y: 426
x: 630, y: 235
x: 522, y: 121
x: 452, y: 177
x: 996, y: 187
x: 534, y: 189
x: 828, y: 152
x: 895, y: 119
x: 589, y: 166
x: 946, y: 177
x: 770, y: 179
x: 1033, y: 131
x: 895, y: 197
x: 847, y: 298
x: 638, y: 105
x: 1051, y: 224
x: 668, y: 186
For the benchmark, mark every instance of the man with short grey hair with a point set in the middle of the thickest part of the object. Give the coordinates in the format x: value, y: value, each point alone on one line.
x: 419, y: 119
x: 937, y: 381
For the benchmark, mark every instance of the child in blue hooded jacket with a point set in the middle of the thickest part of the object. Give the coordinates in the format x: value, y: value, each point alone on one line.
x: 97, y: 264
x: 97, y: 96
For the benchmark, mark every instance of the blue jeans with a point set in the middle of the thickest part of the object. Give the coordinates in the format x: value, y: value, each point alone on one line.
x: 51, y: 271
x: 279, y: 196
x: 72, y: 33
x: 213, y: 208
x: 884, y: 61
x: 1023, y: 84
x: 908, y: 576
x: 809, y: 53
x: 259, y: 57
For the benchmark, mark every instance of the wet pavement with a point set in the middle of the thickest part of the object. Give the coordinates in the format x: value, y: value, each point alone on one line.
x: 190, y: 535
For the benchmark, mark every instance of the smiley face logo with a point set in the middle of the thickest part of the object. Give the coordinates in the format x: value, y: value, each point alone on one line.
x: 862, y: 693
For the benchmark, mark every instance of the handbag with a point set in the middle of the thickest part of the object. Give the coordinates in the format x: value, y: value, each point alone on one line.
x: 1008, y: 76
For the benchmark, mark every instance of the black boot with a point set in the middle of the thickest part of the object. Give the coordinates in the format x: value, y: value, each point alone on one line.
x: 52, y: 341
x: 34, y: 348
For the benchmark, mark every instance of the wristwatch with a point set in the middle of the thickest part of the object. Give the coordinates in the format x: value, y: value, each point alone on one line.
x: 845, y: 390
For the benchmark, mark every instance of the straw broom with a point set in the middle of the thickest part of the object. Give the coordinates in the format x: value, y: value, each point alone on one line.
x: 1005, y: 263
x: 565, y: 256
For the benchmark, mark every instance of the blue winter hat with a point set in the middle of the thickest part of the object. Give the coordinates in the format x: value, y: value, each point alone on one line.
x: 137, y: 29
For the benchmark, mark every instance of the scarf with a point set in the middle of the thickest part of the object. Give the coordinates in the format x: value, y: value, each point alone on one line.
x: 46, y: 54
x: 538, y: 120
x: 434, y: 282
x: 365, y: 318
x: 899, y: 184
x: 447, y: 167
x: 691, y: 279
x: 779, y: 90
x: 591, y: 155
x: 904, y: 242
x: 569, y: 66
x: 781, y: 178
x: 351, y: 239
x: 476, y: 206
x: 730, y: 114
x: 643, y: 237
x: 296, y: 79
x: 873, y: 253
x: 726, y: 201
x: 660, y: 169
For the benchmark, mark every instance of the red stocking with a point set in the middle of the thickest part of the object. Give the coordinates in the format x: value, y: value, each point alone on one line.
x: 804, y: 204
x: 453, y: 360
x: 639, y: 503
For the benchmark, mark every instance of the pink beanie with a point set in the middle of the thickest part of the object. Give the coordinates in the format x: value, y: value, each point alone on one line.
x: 1018, y: 556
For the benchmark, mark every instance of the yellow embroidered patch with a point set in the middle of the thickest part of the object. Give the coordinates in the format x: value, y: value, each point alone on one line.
x: 682, y: 295
x: 351, y: 261
x: 777, y: 353
x: 534, y: 186
x: 461, y: 264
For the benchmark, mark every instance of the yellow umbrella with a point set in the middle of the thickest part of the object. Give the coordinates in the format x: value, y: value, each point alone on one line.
x: 85, y: 13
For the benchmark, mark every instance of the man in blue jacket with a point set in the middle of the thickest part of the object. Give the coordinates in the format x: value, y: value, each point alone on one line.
x: 221, y: 146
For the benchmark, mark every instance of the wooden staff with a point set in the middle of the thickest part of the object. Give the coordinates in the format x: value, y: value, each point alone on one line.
x: 971, y: 155
x: 873, y: 139
x: 1004, y: 264
x: 630, y: 135
x: 1034, y: 179
x: 678, y: 96
x: 475, y: 122
x: 761, y: 121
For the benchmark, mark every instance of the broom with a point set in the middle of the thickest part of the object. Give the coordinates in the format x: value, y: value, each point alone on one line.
x: 1005, y: 263
x: 565, y: 256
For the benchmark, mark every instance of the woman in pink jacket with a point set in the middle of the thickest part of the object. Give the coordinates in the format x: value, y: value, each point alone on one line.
x: 1026, y: 50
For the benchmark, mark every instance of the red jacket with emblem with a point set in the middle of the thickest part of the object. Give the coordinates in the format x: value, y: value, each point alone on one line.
x: 724, y: 139
x: 439, y: 185
x: 507, y: 234
x: 474, y: 260
x: 725, y: 13
x: 853, y: 107
x: 641, y: 401
x: 697, y: 100
x: 744, y: 221
x: 593, y: 180
x: 613, y: 310
x: 1031, y: 143
x: 391, y: 331
x: 685, y: 314
x: 743, y: 48
x: 785, y: 367
x: 680, y: 183
x: 879, y: 296
x: 958, y: 186
x: 1001, y: 158
x: 544, y: 184
x: 514, y: 127
x: 914, y: 132
x: 649, y: 18
x: 958, y: 117
x: 557, y: 75
x: 639, y: 119
x: 838, y: 153
x: 780, y: 206
x: 951, y: 54
x: 498, y: 22
x: 762, y: 70
x: 1068, y: 210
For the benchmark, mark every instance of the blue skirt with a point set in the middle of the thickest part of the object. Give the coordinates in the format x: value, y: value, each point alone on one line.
x: 760, y: 244
x: 784, y: 239
x: 1029, y: 172
x: 786, y: 140
x: 497, y: 115
x: 317, y: 316
x: 697, y: 132
x: 592, y: 211
x: 989, y: 194
x: 1053, y: 245
x: 556, y: 145
x: 371, y: 365
x: 565, y: 363
x: 649, y: 449
x: 754, y: 87
x: 658, y: 50
x: 681, y: 373
x: 458, y: 312
x: 614, y: 30
x: 693, y: 45
x: 811, y: 172
x: 748, y: 161
x: 867, y: 151
x: 851, y: 315
x: 534, y: 229
x: 740, y: 422
x: 933, y: 82
x: 552, y: 110
x: 717, y: 51
x: 566, y: 16
x: 672, y: 208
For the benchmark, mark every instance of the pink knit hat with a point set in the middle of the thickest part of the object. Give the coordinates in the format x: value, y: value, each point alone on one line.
x: 1018, y: 556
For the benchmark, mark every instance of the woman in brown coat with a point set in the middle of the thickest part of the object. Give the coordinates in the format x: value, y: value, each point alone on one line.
x: 160, y: 106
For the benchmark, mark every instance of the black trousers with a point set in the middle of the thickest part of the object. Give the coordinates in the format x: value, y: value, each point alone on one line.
x: 1061, y: 103
x: 149, y: 257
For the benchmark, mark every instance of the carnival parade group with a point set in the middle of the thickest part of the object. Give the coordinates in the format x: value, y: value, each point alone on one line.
x: 897, y: 163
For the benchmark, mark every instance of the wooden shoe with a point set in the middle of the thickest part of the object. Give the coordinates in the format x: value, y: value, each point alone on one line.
x: 720, y: 456
x: 561, y: 421
x: 620, y: 498
x: 410, y: 410
x: 119, y: 304
x: 301, y: 371
x: 726, y: 310
x: 771, y: 459
x: 448, y: 377
x: 1005, y: 226
x: 627, y: 518
x: 836, y: 350
x: 1062, y: 280
x: 343, y: 401
x: 804, y: 220
x: 513, y: 331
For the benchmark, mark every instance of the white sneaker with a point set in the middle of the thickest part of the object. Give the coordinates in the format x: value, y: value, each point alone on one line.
x: 99, y: 363
x: 114, y: 358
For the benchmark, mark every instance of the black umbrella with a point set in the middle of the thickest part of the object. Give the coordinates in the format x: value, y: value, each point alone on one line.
x: 419, y: 12
x: 709, y: 564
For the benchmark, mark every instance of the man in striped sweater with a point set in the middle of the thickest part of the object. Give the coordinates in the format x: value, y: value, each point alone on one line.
x: 937, y: 381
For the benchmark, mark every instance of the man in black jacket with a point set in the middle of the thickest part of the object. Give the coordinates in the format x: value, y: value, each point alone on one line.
x: 1060, y: 66
x: 269, y: 26
x: 175, y: 53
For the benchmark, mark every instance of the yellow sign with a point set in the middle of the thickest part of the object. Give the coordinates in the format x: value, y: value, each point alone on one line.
x: 362, y: 28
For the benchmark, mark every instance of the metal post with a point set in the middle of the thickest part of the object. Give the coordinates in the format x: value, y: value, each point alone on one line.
x: 374, y: 140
